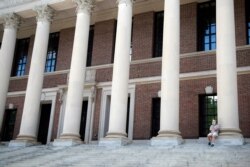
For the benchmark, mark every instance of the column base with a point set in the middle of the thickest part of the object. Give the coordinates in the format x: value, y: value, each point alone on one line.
x: 114, y: 139
x: 24, y: 141
x: 230, y: 137
x: 167, y: 138
x: 67, y: 140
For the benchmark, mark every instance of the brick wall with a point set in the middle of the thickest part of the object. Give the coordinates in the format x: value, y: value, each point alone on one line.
x: 244, y: 105
x: 240, y: 22
x: 143, y: 31
x: 56, y: 118
x: 65, y: 48
x: 18, y: 85
x: 189, y: 105
x: 143, y: 110
x: 49, y: 82
x: 188, y: 30
x: 97, y: 114
x: 196, y: 63
x: 103, y: 44
x: 18, y: 104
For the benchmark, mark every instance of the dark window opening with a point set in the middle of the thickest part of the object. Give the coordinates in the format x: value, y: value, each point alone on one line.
x: 127, y: 121
x: 50, y: 65
x: 158, y: 34
x: 83, y: 119
x: 114, y: 39
x: 206, y: 26
x: 8, y: 124
x: 44, y: 123
x: 208, y: 112
x: 155, y: 123
x: 90, y: 46
x: 20, y: 58
x: 248, y: 20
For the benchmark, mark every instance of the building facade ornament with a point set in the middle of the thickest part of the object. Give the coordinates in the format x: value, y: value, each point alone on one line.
x: 11, y: 20
x: 84, y: 5
x: 44, y: 13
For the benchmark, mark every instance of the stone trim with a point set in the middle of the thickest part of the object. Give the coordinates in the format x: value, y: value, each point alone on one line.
x: 70, y: 136
x: 44, y: 13
x: 12, y: 20
x: 168, y: 133
x: 26, y: 137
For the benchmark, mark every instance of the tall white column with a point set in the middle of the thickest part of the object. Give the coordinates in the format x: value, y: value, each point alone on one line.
x: 11, y: 23
x: 169, y: 117
x: 119, y: 92
x: 72, y: 118
x: 30, y: 117
x: 228, y: 116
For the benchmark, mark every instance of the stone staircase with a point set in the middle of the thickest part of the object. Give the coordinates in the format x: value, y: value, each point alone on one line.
x: 193, y: 153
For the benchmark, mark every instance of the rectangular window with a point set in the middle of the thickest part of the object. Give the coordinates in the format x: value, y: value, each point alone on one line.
x: 21, y: 54
x: 248, y: 20
x: 90, y: 46
x: 50, y: 65
x: 158, y: 34
x: 206, y: 26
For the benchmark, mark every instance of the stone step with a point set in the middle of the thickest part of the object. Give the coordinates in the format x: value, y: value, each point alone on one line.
x: 186, y: 155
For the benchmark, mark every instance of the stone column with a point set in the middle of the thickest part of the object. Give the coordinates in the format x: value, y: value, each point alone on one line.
x: 11, y: 23
x: 30, y: 118
x: 71, y: 126
x: 169, y: 121
x: 119, y: 95
x: 228, y: 116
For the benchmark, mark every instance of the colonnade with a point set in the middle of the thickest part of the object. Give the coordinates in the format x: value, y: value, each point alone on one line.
x: 169, y: 132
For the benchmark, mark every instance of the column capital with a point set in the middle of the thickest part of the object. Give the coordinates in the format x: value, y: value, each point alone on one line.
x: 44, y: 13
x: 125, y: 1
x: 84, y: 5
x: 11, y: 20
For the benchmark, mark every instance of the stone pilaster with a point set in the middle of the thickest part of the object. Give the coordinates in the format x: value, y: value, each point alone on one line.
x: 11, y: 24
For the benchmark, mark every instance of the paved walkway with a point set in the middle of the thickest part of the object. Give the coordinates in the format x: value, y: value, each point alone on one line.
x: 190, y: 154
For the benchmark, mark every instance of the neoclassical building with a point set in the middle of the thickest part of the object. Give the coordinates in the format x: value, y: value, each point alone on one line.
x: 111, y: 72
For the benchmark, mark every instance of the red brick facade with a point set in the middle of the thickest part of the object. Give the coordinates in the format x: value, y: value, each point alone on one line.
x: 144, y: 66
x: 103, y: 46
x: 142, y: 36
